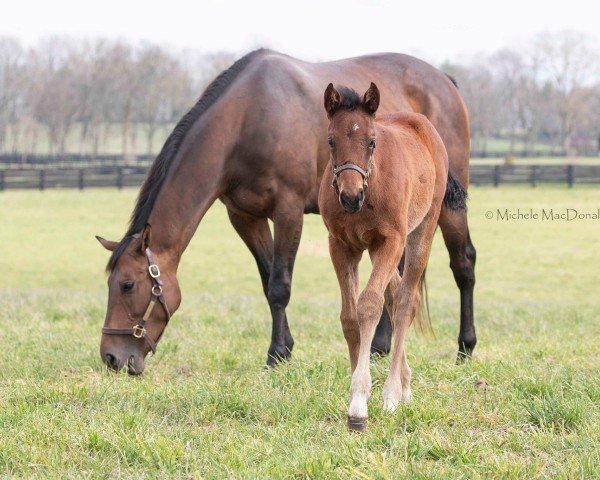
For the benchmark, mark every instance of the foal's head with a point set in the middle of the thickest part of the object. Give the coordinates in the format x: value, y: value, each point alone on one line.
x: 351, y: 137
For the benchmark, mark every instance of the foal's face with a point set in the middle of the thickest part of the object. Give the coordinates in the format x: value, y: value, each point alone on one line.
x: 351, y: 137
x: 351, y: 140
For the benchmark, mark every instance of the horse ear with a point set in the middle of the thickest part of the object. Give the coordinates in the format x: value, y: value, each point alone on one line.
x: 371, y: 99
x: 332, y: 100
x: 108, y: 244
x: 145, y: 236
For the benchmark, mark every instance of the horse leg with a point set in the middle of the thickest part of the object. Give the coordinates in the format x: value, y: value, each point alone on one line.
x: 257, y: 236
x: 406, y: 302
x: 382, y: 341
x: 345, y: 262
x: 455, y: 230
x: 385, y: 257
x: 287, y: 222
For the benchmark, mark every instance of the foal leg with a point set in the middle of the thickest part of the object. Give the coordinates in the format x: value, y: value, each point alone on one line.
x: 385, y: 257
x: 406, y: 302
x: 345, y: 263
x: 455, y: 230
x: 382, y: 341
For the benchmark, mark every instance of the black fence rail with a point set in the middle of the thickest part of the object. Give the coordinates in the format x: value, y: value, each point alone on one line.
x: 80, y: 178
x: 534, y: 174
x: 133, y: 176
x: 73, y: 160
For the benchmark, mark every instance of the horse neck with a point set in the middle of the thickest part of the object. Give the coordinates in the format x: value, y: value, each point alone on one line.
x: 194, y: 181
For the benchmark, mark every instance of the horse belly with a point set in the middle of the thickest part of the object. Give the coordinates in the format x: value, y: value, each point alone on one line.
x: 250, y: 201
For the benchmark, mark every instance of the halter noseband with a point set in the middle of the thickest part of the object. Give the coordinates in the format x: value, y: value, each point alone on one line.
x: 139, y: 330
x: 350, y: 166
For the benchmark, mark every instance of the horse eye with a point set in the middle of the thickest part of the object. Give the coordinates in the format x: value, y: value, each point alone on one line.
x: 330, y: 142
x: 127, y: 286
x: 372, y: 143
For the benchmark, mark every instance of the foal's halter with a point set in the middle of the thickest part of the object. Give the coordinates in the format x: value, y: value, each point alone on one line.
x: 350, y: 166
x: 139, y: 330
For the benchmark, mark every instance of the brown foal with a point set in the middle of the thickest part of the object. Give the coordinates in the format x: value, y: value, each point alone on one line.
x: 390, y: 178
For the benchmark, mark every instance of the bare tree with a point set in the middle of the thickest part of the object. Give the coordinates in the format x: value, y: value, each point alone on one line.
x: 164, y: 86
x: 568, y: 61
x: 476, y: 84
x: 11, y: 94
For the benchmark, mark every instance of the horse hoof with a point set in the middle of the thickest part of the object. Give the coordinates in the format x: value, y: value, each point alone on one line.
x: 274, y: 359
x: 465, y: 350
x: 357, y: 424
x: 463, y: 356
x: 379, y: 349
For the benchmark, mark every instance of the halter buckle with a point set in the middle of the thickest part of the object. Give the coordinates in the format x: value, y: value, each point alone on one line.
x: 139, y: 331
x: 154, y: 270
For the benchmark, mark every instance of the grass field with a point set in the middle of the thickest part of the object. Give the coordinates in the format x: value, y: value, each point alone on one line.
x: 526, y: 406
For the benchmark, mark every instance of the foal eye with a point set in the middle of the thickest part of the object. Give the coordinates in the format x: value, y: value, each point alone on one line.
x: 330, y: 142
x: 127, y: 286
x: 372, y: 143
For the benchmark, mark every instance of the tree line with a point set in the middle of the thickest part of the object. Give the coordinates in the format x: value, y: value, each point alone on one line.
x: 110, y: 96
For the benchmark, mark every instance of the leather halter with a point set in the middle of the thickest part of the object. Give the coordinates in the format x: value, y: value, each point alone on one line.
x: 139, y: 330
x: 350, y: 166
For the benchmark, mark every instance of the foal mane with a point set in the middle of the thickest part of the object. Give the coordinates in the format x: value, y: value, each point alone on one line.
x: 160, y: 167
x: 350, y: 99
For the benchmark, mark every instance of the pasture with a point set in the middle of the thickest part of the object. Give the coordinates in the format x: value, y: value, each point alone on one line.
x: 526, y: 406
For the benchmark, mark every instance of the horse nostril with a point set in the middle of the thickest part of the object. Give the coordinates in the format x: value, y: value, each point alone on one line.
x: 361, y: 194
x: 111, y: 361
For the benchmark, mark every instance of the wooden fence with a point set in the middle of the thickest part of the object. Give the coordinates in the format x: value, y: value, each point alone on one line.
x: 534, y: 174
x: 133, y: 176
x: 42, y: 178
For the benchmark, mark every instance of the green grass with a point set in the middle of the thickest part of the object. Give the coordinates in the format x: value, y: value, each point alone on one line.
x: 526, y: 406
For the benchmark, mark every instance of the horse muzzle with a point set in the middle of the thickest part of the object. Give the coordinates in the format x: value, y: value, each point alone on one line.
x: 132, y: 362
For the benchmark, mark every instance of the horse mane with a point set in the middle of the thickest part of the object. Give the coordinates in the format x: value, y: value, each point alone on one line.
x: 452, y: 79
x: 160, y: 167
x: 350, y: 99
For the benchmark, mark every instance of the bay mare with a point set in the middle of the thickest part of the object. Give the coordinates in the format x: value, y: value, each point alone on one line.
x: 256, y: 141
x: 389, y: 176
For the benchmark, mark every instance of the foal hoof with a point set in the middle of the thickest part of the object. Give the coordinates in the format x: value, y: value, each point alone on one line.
x: 357, y: 424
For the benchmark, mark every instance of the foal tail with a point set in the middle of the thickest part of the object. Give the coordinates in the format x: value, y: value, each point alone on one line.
x: 456, y: 195
x: 422, y: 319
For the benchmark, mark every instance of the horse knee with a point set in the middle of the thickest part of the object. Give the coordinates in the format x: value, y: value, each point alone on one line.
x: 370, y: 307
x: 351, y: 330
x: 279, y: 293
x: 463, y: 267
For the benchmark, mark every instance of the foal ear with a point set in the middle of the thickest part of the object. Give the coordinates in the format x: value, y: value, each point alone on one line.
x: 108, y: 244
x: 145, y: 236
x: 371, y: 99
x: 332, y: 100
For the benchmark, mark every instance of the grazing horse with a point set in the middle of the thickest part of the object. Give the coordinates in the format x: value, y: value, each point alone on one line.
x: 255, y: 141
x: 390, y: 177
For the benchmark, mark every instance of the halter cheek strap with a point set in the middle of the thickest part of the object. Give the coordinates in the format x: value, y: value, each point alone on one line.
x: 139, y: 330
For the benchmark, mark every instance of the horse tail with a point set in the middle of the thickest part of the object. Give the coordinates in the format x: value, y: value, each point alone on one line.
x: 422, y: 318
x: 456, y: 195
